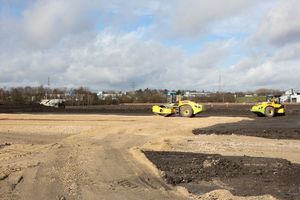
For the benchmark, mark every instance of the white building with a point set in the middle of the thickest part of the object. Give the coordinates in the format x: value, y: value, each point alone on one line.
x: 195, y: 94
x: 103, y: 95
x: 290, y: 96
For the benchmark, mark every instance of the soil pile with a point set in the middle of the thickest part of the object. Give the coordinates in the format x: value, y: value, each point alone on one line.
x: 223, y: 109
x: 122, y: 108
x: 37, y: 108
x: 27, y: 108
x: 241, y: 110
x: 211, y: 109
x: 243, y: 176
x: 281, y: 127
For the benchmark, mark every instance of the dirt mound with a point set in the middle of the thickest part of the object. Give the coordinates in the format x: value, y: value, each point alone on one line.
x: 37, y: 108
x: 241, y: 110
x: 221, y: 109
x: 270, y: 132
x: 27, y: 108
x: 243, y: 176
x: 146, y: 109
x: 281, y: 127
x: 215, y: 109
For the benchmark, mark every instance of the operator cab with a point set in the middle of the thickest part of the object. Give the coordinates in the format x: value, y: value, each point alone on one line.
x: 276, y: 98
x: 173, y: 98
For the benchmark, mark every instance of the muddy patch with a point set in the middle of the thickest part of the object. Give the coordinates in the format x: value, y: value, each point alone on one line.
x: 242, y: 176
x: 211, y: 109
x: 281, y: 127
x: 93, y: 109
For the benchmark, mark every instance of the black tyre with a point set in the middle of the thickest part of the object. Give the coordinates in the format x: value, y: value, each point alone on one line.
x: 186, y: 111
x: 269, y: 112
x: 260, y: 115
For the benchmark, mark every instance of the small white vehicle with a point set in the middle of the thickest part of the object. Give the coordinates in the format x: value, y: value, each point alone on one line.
x: 56, y: 103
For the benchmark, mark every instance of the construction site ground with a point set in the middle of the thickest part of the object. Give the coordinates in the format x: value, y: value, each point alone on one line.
x: 226, y: 152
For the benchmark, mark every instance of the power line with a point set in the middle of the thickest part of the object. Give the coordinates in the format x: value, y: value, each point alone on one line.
x: 48, y: 81
x: 220, y: 82
x: 133, y: 86
x: 220, y: 87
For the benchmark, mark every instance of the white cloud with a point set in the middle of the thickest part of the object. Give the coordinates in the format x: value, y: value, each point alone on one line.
x: 110, y: 60
x: 47, y: 21
x: 83, y: 44
x: 265, y: 75
x: 281, y: 25
x: 272, y: 52
x: 286, y: 53
x: 192, y: 19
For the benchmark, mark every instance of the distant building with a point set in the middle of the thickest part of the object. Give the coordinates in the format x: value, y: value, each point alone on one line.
x: 195, y: 94
x: 104, y: 95
x: 100, y: 95
x: 290, y: 96
x: 250, y: 95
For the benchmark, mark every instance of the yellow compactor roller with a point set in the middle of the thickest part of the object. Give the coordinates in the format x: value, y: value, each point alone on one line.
x: 184, y: 108
x: 270, y: 107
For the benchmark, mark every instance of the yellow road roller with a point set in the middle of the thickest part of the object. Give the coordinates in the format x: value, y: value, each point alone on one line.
x: 270, y: 107
x: 176, y: 105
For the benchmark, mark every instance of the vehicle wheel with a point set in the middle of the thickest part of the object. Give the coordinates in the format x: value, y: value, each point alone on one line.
x: 269, y: 112
x: 164, y: 106
x: 186, y: 111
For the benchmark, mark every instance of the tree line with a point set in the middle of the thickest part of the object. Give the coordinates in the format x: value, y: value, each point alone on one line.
x: 83, y: 96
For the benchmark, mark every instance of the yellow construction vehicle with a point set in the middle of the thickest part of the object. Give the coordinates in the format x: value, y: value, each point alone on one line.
x: 176, y: 105
x: 270, y: 107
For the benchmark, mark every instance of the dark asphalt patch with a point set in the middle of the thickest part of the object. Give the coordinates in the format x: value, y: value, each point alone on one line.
x: 243, y: 176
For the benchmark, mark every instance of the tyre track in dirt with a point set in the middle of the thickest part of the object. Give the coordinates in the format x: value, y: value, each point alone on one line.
x: 104, y: 159
x: 92, y: 164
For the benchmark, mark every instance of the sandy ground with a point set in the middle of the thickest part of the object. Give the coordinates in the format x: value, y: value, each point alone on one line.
x: 99, y: 156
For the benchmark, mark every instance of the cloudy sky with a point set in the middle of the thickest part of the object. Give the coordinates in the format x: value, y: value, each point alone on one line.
x: 173, y: 44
